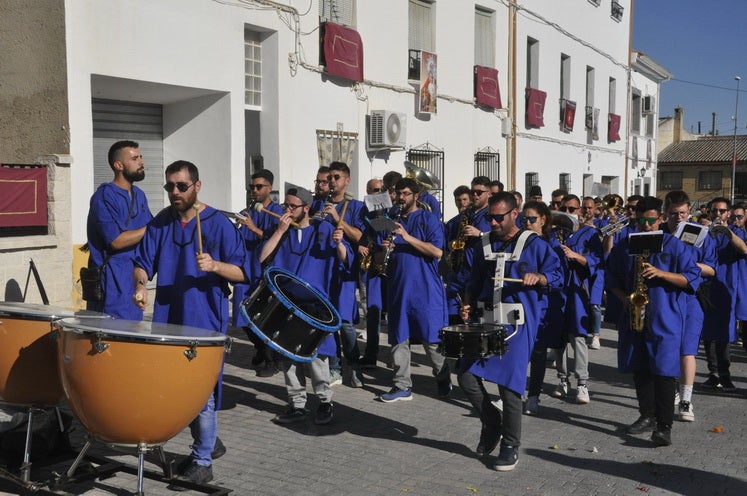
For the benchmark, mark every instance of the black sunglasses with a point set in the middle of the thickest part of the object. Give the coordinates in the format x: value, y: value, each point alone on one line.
x: 737, y: 217
x: 478, y: 192
x: 531, y: 219
x: 569, y: 210
x: 257, y: 186
x: 336, y: 177
x: 375, y: 190
x: 719, y: 210
x: 182, y: 187
x: 496, y: 217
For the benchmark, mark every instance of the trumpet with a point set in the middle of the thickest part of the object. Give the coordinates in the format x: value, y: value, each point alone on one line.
x: 612, y: 203
x: 614, y: 227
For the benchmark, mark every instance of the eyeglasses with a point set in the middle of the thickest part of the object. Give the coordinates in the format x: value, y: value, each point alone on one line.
x: 257, y: 186
x: 719, y: 210
x: 629, y: 207
x: 736, y: 217
x: 376, y: 190
x: 336, y: 177
x: 531, y: 219
x: 321, y: 181
x: 642, y: 221
x: 291, y: 206
x: 405, y: 193
x: 498, y: 218
x: 182, y: 187
x: 479, y: 192
x: 568, y: 209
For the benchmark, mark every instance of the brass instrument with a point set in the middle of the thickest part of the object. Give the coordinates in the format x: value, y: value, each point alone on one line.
x: 614, y: 227
x: 457, y: 246
x: 612, y: 204
x: 564, y: 224
x: 366, y: 261
x: 639, y: 296
x: 421, y: 176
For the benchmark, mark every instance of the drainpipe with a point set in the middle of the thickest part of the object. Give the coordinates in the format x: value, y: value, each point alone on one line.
x: 512, y: 105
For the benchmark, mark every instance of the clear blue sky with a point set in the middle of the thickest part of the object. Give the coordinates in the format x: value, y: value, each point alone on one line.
x: 698, y: 41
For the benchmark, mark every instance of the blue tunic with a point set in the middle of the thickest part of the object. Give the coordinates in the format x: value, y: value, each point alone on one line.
x: 510, y: 370
x: 551, y: 330
x: 311, y: 254
x: 113, y: 212
x: 432, y: 202
x: 613, y: 307
x: 184, y: 294
x: 657, y: 348
x: 586, y: 242
x: 719, y: 323
x: 415, y: 299
x: 741, y: 305
x: 253, y: 244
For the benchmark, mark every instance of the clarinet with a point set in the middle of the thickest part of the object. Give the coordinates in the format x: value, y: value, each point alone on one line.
x: 390, y: 248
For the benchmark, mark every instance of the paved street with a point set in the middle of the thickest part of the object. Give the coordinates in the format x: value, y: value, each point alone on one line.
x: 426, y: 446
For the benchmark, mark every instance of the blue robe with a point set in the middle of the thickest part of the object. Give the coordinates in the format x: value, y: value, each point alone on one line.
x: 430, y: 200
x: 313, y: 258
x: 551, y: 330
x: 613, y: 307
x: 657, y: 348
x: 253, y: 245
x: 415, y: 299
x: 510, y: 370
x: 719, y: 324
x: 586, y: 242
x: 457, y: 281
x: 112, y: 212
x: 741, y: 305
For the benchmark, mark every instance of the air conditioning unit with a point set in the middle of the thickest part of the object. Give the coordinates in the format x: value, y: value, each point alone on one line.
x: 649, y: 103
x: 386, y: 129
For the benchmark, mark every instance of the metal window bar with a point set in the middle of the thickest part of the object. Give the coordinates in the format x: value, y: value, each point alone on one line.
x: 433, y: 161
x: 564, y: 181
x: 530, y: 179
x: 488, y: 164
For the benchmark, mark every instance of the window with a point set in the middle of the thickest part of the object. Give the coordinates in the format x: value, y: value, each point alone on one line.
x: 635, y: 112
x: 589, y: 98
x: 595, y: 3
x: 612, y: 92
x: 616, y: 11
x: 487, y: 162
x: 252, y: 68
x: 670, y: 180
x: 532, y: 63
x: 530, y: 179
x: 337, y: 11
x: 431, y: 159
x: 420, y: 34
x: 709, y: 180
x: 564, y: 181
x: 565, y: 77
x: 484, y: 38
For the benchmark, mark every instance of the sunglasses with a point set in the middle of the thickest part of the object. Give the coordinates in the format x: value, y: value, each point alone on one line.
x: 531, y: 219
x: 678, y: 214
x: 719, y: 210
x: 182, y: 187
x: 629, y: 207
x: 498, y: 218
x: 555, y: 203
x: 376, y: 190
x: 642, y: 221
x: 479, y: 192
x: 257, y: 186
x: 736, y: 217
x: 321, y: 181
x: 336, y: 177
x: 290, y: 206
x: 569, y: 210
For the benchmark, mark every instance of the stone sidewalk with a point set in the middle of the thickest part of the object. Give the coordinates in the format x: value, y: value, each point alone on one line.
x: 426, y: 446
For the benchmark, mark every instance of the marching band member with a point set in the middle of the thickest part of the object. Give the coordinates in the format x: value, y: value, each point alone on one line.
x: 589, y: 214
x: 737, y: 220
x: 507, y: 252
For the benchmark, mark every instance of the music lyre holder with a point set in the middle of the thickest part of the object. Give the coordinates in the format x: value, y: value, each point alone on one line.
x: 645, y: 243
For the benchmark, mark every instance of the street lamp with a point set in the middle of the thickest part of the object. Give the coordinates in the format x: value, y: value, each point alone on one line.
x: 734, y: 149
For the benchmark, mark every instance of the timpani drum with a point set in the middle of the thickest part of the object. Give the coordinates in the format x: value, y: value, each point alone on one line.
x: 132, y: 382
x: 290, y: 315
x: 28, y: 354
x: 473, y: 341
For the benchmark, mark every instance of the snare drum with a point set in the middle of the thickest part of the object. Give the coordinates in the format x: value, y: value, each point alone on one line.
x: 132, y: 382
x: 28, y: 354
x: 473, y: 341
x: 290, y: 315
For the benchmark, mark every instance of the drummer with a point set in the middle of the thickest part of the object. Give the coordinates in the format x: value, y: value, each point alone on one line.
x: 191, y: 289
x: 313, y: 252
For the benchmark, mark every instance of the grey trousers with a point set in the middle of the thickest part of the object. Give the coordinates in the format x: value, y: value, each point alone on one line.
x: 401, y: 360
x: 581, y: 360
x: 295, y: 380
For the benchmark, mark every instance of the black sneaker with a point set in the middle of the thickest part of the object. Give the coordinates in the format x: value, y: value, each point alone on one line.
x: 508, y: 457
x: 323, y: 414
x: 444, y: 387
x: 643, y: 424
x: 712, y: 382
x: 727, y: 384
x: 268, y: 369
x: 218, y: 450
x: 367, y: 362
x: 292, y: 415
x: 195, y: 474
x: 662, y: 436
x: 489, y: 438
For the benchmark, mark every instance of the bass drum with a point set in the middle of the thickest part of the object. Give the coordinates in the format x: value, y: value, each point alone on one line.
x: 132, y: 382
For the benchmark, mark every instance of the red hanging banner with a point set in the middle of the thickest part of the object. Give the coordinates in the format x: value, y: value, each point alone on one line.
x: 569, y: 115
x: 487, y: 91
x: 23, y: 196
x: 342, y: 51
x: 613, y: 130
x: 535, y: 107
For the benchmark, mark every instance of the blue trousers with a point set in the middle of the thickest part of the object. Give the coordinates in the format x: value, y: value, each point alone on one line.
x: 204, y: 431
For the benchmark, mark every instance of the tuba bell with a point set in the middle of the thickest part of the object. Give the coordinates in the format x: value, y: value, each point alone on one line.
x: 424, y: 178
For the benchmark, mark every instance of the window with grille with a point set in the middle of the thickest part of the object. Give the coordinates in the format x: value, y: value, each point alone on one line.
x: 420, y: 34
x: 337, y: 11
x: 635, y: 112
x: 252, y: 68
x: 709, y: 180
x: 484, y: 37
x: 612, y: 91
x: 670, y: 180
x: 565, y: 77
x: 532, y: 63
x: 431, y: 160
x: 530, y: 179
x: 488, y: 164
x: 564, y: 181
x: 616, y: 11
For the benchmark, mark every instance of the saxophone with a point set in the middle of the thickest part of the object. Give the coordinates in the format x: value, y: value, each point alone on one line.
x: 390, y: 248
x: 366, y: 261
x: 639, y: 296
x: 456, y: 255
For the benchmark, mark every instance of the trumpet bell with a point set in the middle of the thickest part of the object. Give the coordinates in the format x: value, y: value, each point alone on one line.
x: 425, y: 178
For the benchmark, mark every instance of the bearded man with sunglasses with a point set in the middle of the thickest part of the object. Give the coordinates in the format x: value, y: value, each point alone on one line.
x: 737, y: 225
x: 192, y: 285
x: 583, y: 251
x: 520, y: 306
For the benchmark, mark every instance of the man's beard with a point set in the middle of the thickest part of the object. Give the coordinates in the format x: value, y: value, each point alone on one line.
x: 134, y: 177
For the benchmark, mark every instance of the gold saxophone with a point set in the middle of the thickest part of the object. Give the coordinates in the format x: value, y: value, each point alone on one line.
x: 639, y: 296
x: 366, y: 261
x: 456, y: 255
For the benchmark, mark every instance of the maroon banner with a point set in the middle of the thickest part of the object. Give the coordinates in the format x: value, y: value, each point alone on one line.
x: 23, y: 196
x: 487, y: 91
x: 535, y: 107
x: 569, y: 115
x: 343, y: 52
x: 613, y: 130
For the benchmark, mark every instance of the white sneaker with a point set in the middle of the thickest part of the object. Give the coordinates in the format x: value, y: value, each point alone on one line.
x: 560, y: 391
x: 335, y: 379
x: 595, y: 344
x: 685, y: 412
x: 582, y: 395
x: 532, y: 406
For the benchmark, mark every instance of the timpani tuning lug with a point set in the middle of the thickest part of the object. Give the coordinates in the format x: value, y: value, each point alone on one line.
x: 99, y: 346
x: 191, y: 353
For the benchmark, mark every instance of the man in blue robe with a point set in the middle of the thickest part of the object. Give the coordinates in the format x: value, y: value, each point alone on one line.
x: 192, y: 285
x: 116, y: 224
x: 653, y: 353
x: 737, y: 226
x: 314, y: 252
x: 416, y: 300
x: 540, y: 272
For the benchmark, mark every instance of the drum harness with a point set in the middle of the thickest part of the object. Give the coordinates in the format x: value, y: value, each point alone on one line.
x: 499, y: 311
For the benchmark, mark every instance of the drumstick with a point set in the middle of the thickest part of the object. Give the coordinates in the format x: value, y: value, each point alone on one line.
x: 199, y: 229
x: 259, y: 208
x: 507, y: 279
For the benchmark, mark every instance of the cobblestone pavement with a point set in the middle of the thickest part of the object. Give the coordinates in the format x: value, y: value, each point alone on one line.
x: 426, y: 446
